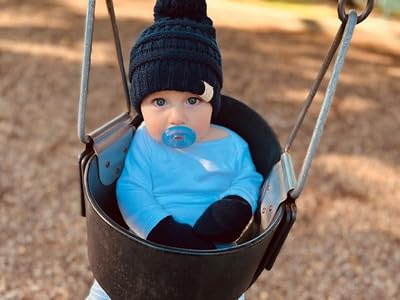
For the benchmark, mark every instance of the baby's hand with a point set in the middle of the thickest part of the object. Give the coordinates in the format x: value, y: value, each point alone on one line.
x: 224, y: 220
x: 171, y: 233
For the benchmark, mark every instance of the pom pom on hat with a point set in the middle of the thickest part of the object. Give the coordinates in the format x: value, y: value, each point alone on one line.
x: 192, y: 9
x: 178, y: 52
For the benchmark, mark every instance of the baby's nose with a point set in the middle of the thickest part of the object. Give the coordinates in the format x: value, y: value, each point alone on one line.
x: 177, y: 116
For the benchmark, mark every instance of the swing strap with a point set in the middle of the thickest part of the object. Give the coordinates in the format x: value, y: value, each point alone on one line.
x: 281, y: 184
x: 343, y: 36
x: 86, y: 61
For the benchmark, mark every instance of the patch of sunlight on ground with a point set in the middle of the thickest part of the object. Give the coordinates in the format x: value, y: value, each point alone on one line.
x: 123, y: 8
x: 370, y: 57
x: 299, y: 96
x: 357, y: 104
x: 393, y: 71
x: 360, y: 175
x: 10, y: 21
x: 265, y: 15
x: 305, y: 9
x: 351, y: 80
x: 295, y: 16
x: 100, y: 56
x: 349, y: 104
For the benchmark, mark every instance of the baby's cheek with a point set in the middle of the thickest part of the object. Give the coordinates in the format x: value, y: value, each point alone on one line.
x: 154, y: 130
x: 203, y: 131
x: 201, y: 123
x: 156, y: 135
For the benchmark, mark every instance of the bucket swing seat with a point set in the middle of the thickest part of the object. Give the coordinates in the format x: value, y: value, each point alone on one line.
x: 128, y: 266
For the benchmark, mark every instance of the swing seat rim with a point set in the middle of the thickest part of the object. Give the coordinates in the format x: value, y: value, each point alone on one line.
x: 173, y: 250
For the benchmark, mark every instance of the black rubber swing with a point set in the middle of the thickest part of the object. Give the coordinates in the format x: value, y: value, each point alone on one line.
x: 129, y: 267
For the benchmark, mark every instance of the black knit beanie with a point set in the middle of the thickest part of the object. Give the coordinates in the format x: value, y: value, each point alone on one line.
x: 178, y: 52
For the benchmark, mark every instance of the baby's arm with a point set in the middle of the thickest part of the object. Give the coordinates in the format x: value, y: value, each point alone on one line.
x: 141, y: 211
x: 138, y: 207
x: 224, y: 220
x: 247, y: 181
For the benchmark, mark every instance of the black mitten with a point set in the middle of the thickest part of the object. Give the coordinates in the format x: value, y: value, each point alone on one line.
x: 224, y: 220
x: 171, y: 233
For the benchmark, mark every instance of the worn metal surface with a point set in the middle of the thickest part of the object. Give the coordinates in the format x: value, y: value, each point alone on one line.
x: 111, y: 143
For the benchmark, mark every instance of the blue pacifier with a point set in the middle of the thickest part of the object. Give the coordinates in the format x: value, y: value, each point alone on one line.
x: 179, y: 137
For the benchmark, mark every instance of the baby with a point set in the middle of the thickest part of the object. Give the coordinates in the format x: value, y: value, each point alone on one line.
x: 186, y: 182
x: 189, y: 190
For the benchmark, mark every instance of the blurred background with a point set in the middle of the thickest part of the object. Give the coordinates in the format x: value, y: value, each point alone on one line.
x: 345, y: 243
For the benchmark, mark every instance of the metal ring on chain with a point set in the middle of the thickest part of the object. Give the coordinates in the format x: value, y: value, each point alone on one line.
x: 361, y: 17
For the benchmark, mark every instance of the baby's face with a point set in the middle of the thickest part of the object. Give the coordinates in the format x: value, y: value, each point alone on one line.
x: 165, y: 109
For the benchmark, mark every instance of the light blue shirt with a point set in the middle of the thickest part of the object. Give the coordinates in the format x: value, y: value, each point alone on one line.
x: 158, y: 181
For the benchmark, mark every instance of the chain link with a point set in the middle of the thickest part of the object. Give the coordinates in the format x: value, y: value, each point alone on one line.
x: 360, y: 17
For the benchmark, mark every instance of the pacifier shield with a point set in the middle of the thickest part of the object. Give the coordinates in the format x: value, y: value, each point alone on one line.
x: 179, y: 137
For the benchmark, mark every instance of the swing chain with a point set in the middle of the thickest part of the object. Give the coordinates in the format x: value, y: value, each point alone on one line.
x: 86, y: 63
x: 343, y: 16
x: 345, y: 38
x: 361, y: 17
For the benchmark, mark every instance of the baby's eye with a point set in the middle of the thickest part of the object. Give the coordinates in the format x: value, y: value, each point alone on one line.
x: 159, y: 102
x: 193, y: 100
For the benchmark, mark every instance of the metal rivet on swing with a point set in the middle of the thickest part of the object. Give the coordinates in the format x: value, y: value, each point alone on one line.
x: 361, y: 17
x: 108, y: 164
